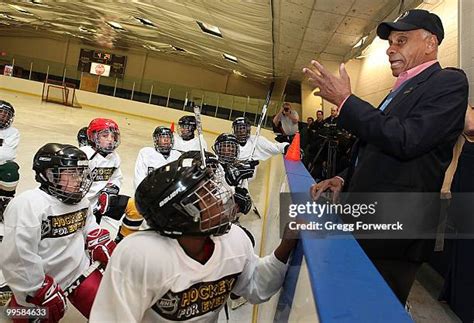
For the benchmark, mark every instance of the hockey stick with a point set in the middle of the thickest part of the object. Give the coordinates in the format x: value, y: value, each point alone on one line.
x: 257, y: 134
x: 70, y: 289
x: 197, y: 114
x: 262, y: 118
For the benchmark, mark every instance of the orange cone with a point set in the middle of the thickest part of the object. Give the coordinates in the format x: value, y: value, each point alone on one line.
x: 172, y: 126
x: 293, y: 152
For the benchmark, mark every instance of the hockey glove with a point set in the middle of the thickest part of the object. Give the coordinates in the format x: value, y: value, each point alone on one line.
x: 243, y: 200
x: 99, y: 245
x: 51, y: 296
x: 105, y: 197
x: 236, y: 173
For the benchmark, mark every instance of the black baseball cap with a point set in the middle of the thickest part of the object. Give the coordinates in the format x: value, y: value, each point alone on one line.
x: 412, y: 20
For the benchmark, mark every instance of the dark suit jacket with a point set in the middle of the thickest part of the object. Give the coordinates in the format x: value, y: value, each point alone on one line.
x: 407, y: 147
x: 331, y: 120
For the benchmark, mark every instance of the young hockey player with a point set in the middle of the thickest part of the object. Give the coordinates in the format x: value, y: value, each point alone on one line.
x: 148, y: 160
x: 263, y: 150
x: 193, y: 257
x: 82, y: 137
x: 186, y: 140
x: 8, y: 180
x: 227, y: 150
x: 51, y: 236
x: 9, y: 140
x: 104, y: 138
x: 9, y: 176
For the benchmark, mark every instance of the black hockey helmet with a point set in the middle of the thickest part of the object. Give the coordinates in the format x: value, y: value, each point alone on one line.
x: 82, y: 139
x: 63, y: 172
x: 187, y: 126
x: 241, y: 129
x: 184, y: 198
x: 226, y: 148
x: 7, y: 114
x: 159, y: 140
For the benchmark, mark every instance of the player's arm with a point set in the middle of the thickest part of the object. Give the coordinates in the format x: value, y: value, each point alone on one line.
x: 269, y: 148
x: 9, y: 146
x: 24, y: 273
x: 263, y: 277
x: 19, y: 259
x: 91, y: 223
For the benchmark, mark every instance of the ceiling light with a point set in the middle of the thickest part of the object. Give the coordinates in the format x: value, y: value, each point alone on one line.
x: 151, y: 47
x: 86, y: 30
x: 115, y: 25
x: 239, y: 73
x: 209, y: 29
x: 231, y: 58
x: 144, y: 21
x: 178, y: 49
x: 20, y: 9
x: 6, y: 16
x: 360, y: 42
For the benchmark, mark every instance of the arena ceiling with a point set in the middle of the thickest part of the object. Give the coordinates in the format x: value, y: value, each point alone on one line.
x: 268, y: 38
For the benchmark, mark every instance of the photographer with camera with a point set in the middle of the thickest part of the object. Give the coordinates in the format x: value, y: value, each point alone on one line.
x: 289, y: 121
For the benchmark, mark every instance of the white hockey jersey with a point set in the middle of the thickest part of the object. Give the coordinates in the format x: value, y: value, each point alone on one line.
x: 263, y: 150
x: 148, y: 160
x: 9, y: 140
x: 44, y: 236
x: 189, y: 145
x: 163, y: 284
x: 104, y: 170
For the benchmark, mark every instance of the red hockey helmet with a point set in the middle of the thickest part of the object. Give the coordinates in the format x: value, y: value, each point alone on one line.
x: 104, y: 135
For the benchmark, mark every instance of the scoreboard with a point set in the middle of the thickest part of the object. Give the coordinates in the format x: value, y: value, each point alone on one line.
x: 102, y: 63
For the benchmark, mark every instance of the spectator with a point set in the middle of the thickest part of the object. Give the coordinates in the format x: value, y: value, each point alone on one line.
x: 289, y: 121
x: 332, y: 119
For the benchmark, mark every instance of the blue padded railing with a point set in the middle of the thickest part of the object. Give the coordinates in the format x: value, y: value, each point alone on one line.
x: 345, y: 285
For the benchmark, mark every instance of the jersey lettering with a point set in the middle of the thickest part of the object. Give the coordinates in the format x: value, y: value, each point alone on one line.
x: 100, y: 174
x: 62, y: 225
x: 197, y: 300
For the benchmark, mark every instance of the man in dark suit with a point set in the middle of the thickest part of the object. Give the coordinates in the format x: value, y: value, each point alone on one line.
x: 332, y: 119
x: 406, y: 144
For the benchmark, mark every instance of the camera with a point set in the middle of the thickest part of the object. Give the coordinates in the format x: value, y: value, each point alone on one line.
x: 330, y: 130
